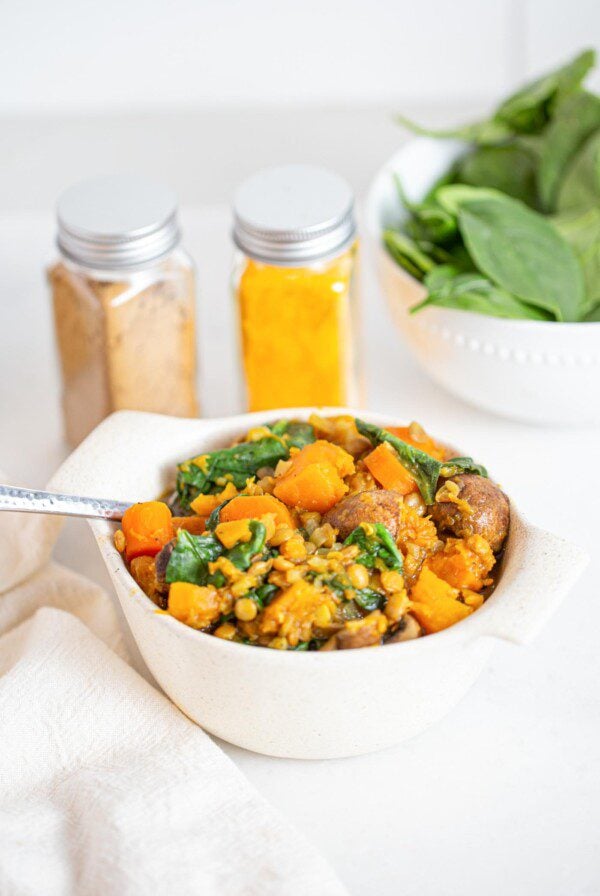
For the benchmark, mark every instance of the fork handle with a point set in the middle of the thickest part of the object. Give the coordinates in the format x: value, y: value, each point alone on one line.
x: 27, y: 500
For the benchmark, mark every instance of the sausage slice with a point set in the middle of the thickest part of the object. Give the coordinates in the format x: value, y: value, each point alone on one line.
x: 490, y: 511
x: 377, y: 506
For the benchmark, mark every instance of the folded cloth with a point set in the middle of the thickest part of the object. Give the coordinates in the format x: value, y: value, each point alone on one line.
x: 105, y: 786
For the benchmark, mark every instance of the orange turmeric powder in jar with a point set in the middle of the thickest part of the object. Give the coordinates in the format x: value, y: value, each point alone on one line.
x: 295, y: 288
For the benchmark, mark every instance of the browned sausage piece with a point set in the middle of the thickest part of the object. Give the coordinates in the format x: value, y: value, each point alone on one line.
x: 377, y: 506
x: 490, y: 511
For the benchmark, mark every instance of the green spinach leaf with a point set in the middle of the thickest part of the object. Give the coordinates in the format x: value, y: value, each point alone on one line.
x: 369, y: 600
x: 580, y: 188
x: 378, y: 546
x: 425, y: 469
x: 581, y: 229
x: 575, y: 119
x: 526, y: 111
x: 236, y: 464
x: 484, y: 133
x: 593, y: 315
x: 190, y: 558
x: 474, y: 292
x: 295, y: 433
x: 263, y: 595
x: 406, y: 252
x: 520, y: 251
x: 457, y: 465
x: 530, y: 108
x: 241, y: 554
x: 429, y: 220
x: 510, y: 168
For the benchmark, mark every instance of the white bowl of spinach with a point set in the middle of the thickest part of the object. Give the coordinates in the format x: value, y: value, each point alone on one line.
x: 488, y: 250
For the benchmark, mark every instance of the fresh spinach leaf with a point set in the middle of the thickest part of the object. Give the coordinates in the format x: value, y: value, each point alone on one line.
x: 209, y: 473
x: 530, y: 108
x: 580, y: 188
x: 214, y: 517
x: 484, y: 133
x: 593, y: 315
x: 190, y: 558
x: 369, y: 600
x: 295, y: 433
x: 406, y: 252
x: 263, y: 595
x: 575, y: 120
x: 457, y: 465
x: 581, y: 229
x: 474, y: 292
x: 376, y: 546
x: 519, y: 250
x: 242, y: 553
x: 526, y: 111
x: 510, y: 168
x: 429, y: 220
x: 426, y: 470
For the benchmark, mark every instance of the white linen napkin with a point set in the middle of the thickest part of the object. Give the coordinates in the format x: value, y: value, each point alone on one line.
x: 105, y: 786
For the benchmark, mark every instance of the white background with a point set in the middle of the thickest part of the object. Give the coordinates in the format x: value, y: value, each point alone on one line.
x: 202, y: 92
x: 503, y: 796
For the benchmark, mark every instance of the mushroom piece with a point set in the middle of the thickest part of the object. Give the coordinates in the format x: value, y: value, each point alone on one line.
x: 161, y: 561
x: 365, y: 632
x: 408, y: 631
x: 376, y: 506
x: 489, y: 514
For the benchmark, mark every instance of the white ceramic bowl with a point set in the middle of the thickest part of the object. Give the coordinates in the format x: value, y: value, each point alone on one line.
x: 534, y: 371
x: 303, y: 705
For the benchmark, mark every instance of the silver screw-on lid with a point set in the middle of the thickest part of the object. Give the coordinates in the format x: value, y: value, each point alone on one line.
x: 117, y: 221
x: 293, y: 214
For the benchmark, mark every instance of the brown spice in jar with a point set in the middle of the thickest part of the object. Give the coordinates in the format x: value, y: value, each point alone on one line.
x: 125, y: 345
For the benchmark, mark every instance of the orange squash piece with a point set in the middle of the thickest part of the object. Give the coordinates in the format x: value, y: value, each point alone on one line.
x: 434, y: 603
x: 147, y: 527
x: 383, y: 464
x: 204, y: 505
x: 321, y: 452
x: 196, y: 525
x: 195, y: 605
x: 464, y: 562
x: 253, y: 507
x: 316, y: 487
x: 314, y: 480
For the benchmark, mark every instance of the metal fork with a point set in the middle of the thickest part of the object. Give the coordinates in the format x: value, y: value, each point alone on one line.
x: 27, y: 500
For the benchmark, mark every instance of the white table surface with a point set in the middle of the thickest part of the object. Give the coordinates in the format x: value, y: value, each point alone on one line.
x: 502, y: 796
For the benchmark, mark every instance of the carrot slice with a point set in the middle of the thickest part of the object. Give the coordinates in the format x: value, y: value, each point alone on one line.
x: 147, y: 527
x: 385, y: 467
x: 426, y: 444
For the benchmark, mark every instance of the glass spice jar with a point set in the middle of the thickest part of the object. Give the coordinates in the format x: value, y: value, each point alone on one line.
x: 295, y: 288
x: 124, y: 303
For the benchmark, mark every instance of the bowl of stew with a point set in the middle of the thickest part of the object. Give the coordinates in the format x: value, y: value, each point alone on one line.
x: 313, y: 583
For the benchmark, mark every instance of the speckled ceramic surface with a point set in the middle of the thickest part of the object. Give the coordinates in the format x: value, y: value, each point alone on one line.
x: 303, y: 705
x: 527, y: 370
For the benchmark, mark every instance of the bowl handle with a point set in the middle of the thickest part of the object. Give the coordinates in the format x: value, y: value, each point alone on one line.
x: 542, y: 571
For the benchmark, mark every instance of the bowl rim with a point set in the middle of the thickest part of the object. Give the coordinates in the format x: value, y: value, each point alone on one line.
x: 474, y: 626
x: 374, y: 229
